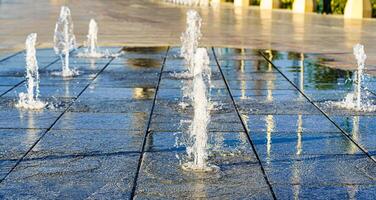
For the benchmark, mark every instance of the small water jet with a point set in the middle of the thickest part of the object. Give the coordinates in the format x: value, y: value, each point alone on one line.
x: 358, y: 100
x: 64, y: 41
x: 92, y: 50
x: 197, y: 151
x: 30, y: 99
x: 92, y: 39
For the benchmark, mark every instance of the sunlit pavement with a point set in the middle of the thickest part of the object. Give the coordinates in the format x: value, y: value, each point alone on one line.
x: 152, y: 23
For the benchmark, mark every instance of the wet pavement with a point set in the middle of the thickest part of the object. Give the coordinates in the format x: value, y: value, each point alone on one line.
x: 115, y: 130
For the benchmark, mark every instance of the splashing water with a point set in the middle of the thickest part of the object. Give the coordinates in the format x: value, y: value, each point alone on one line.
x: 190, y: 2
x: 64, y: 40
x: 190, y: 38
x: 30, y: 100
x: 361, y: 57
x: 357, y: 100
x: 92, y: 50
x: 201, y: 118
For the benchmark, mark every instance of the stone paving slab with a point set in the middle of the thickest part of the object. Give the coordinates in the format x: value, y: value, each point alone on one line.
x: 312, y: 170
x: 59, y: 143
x: 162, y: 178
x: 10, y: 81
x: 320, y: 192
x: 16, y: 142
x: 102, y: 121
x: 303, y: 143
x: 68, y: 177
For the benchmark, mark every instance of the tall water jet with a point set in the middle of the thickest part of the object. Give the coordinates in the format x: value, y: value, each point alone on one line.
x: 190, y: 38
x: 201, y: 117
x: 30, y: 99
x: 64, y: 40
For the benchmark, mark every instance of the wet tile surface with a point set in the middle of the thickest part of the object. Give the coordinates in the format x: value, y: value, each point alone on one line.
x: 272, y: 133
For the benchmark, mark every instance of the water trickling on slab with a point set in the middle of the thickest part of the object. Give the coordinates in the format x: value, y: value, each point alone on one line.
x: 30, y: 99
x: 358, y: 99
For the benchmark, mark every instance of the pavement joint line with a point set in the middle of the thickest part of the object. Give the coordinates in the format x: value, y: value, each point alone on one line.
x: 147, y: 131
x: 57, y: 119
x: 23, y: 81
x: 75, y: 155
x: 11, y: 56
x: 244, y: 127
x: 348, y: 136
x: 15, y: 54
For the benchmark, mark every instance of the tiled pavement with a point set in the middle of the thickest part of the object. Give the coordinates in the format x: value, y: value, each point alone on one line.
x: 112, y: 131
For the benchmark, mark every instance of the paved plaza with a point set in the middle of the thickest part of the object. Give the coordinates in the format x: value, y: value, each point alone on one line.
x: 271, y: 133
x: 115, y: 131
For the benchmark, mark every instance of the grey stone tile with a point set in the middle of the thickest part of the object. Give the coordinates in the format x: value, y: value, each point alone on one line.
x: 322, y: 170
x: 335, y: 191
x: 103, y: 121
x: 72, y: 177
x: 93, y: 105
x: 87, y: 143
x: 302, y: 143
x: 16, y: 142
x: 118, y: 93
x: 288, y: 123
x: 27, y: 119
x: 10, y: 80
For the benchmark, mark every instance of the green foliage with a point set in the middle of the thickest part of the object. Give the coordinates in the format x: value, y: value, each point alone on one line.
x: 338, y: 6
x: 373, y: 2
x: 255, y: 2
x: 287, y: 4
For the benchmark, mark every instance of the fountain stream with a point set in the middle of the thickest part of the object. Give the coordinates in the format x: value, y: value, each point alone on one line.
x: 201, y: 115
x: 30, y: 99
x: 64, y: 40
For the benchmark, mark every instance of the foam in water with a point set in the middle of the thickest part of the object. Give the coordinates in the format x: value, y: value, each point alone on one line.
x: 201, y: 117
x: 190, y: 38
x: 30, y: 99
x: 190, y: 2
x: 358, y: 99
x: 92, y: 50
x: 64, y: 41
